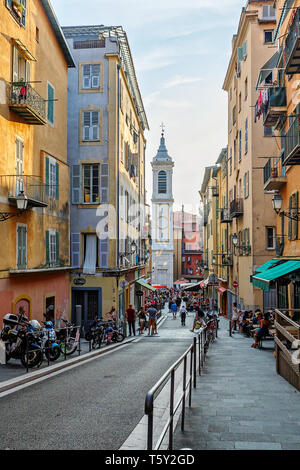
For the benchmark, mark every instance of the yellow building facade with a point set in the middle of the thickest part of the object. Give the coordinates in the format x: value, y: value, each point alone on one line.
x: 35, y: 247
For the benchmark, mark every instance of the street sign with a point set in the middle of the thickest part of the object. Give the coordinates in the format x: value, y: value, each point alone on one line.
x: 79, y: 281
x: 235, y: 284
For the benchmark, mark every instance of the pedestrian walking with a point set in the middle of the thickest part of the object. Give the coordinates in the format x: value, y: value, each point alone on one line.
x: 142, y: 320
x: 152, y: 315
x: 131, y: 318
x: 235, y: 315
x: 183, y: 313
x: 174, y: 310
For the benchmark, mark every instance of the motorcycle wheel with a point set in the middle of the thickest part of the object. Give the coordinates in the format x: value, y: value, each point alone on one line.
x: 34, y: 358
x: 96, y: 343
x: 119, y: 337
x: 53, y: 354
x: 88, y: 336
x: 68, y: 348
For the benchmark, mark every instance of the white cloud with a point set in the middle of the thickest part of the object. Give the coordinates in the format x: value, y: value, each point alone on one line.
x: 181, y: 80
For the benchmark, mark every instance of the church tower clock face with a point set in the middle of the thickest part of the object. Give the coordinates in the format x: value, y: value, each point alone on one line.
x: 163, y: 223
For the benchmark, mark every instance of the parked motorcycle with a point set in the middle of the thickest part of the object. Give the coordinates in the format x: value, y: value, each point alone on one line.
x: 68, y: 337
x: 22, y: 341
x: 49, y: 342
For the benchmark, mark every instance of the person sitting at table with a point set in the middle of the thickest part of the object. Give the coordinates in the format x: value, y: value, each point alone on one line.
x: 263, y: 330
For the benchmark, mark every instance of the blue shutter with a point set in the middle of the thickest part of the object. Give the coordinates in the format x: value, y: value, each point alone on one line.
x: 23, y: 19
x: 47, y: 170
x: 76, y: 184
x: 75, y: 249
x: 50, y: 104
x: 9, y: 3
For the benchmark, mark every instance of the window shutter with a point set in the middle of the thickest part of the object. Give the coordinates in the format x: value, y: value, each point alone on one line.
x: 57, y: 248
x: 15, y: 76
x: 95, y: 125
x: 86, y: 76
x: 47, y: 247
x: 27, y: 71
x: 76, y: 186
x: 75, y: 250
x: 23, y: 19
x: 8, y: 3
x: 57, y: 180
x: 296, y: 199
x: 244, y: 50
x: 104, y: 183
x: 47, y: 171
x: 86, y: 125
x: 240, y: 54
x: 96, y: 76
x: 50, y: 104
x: 290, y: 220
x: 104, y: 246
x: 22, y: 247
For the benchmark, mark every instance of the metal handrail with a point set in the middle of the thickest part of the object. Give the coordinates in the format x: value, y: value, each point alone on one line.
x: 187, y: 386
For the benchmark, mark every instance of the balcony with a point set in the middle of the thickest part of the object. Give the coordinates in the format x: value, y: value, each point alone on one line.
x: 292, y: 145
x: 225, y: 216
x: 274, y: 175
x: 276, y: 106
x: 227, y: 260
x: 291, y: 52
x: 236, y: 208
x: 26, y: 102
x: 35, y: 191
x: 215, y: 192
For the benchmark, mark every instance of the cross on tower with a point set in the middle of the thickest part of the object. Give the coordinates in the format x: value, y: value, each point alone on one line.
x: 162, y: 128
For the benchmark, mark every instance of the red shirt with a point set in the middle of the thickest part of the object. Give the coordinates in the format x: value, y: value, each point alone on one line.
x: 131, y: 314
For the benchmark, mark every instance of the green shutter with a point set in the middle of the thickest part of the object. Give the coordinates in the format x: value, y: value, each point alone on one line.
x: 290, y: 220
x: 47, y: 170
x: 47, y: 247
x: 57, y: 248
x: 57, y: 181
x: 50, y: 104
x: 296, y: 199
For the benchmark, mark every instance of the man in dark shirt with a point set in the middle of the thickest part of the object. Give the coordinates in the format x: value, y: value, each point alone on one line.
x: 131, y: 317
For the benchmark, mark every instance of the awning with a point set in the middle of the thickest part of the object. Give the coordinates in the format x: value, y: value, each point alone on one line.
x: 158, y: 286
x: 263, y: 280
x: 221, y: 290
x: 192, y: 286
x: 267, y: 265
x: 24, y: 49
x: 267, y: 68
x: 144, y: 284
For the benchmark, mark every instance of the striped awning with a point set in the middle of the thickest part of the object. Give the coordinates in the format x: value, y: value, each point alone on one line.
x: 263, y: 280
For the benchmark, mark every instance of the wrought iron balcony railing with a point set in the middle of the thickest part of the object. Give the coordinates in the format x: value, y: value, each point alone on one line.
x: 276, y: 106
x: 25, y: 101
x: 225, y: 216
x: 291, y: 49
x: 292, y: 145
x: 236, y: 208
x: 274, y: 174
x: 35, y: 191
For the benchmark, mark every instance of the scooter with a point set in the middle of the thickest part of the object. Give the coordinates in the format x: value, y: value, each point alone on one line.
x: 49, y: 342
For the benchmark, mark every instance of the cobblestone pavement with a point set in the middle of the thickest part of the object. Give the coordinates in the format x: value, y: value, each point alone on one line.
x: 240, y: 401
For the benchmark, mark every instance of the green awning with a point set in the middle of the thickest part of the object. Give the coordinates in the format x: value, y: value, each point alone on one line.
x: 267, y: 265
x: 144, y: 284
x: 263, y: 280
x: 268, y: 68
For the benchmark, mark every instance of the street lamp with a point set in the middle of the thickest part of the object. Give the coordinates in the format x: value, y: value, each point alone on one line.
x: 293, y: 213
x: 22, y: 203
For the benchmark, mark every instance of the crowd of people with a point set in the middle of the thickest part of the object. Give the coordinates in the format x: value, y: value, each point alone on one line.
x: 251, y: 324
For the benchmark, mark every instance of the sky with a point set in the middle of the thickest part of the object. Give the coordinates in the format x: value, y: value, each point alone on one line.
x: 181, y: 51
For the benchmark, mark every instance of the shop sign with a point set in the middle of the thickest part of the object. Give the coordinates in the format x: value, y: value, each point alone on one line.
x: 80, y: 281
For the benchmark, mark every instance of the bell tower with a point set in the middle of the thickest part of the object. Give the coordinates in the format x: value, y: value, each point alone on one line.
x: 162, y: 216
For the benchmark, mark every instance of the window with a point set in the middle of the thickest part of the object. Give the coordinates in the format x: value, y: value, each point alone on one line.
x: 89, y: 44
x: 268, y: 37
x: 162, y: 182
x: 268, y: 12
x: 246, y: 184
x: 234, y: 154
x: 270, y: 238
x: 246, y: 89
x: 90, y: 76
x: 37, y: 34
x: 90, y: 253
x: 52, y: 177
x: 52, y: 247
x: 240, y: 102
x: 246, y: 135
x: 240, y: 146
x: 268, y: 131
x: 269, y: 79
x: 21, y: 246
x: 91, y: 183
x: 20, y: 68
x: 234, y: 115
x: 91, y: 126
x: 18, y: 10
x: 50, y: 104
x: 230, y: 162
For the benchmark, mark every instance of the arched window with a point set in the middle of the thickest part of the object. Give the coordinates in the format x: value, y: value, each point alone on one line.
x: 162, y: 182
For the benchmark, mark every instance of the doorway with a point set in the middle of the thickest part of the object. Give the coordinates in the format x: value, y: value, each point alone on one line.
x: 90, y: 301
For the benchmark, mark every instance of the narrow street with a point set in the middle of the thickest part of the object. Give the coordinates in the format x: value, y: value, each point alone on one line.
x: 97, y: 405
